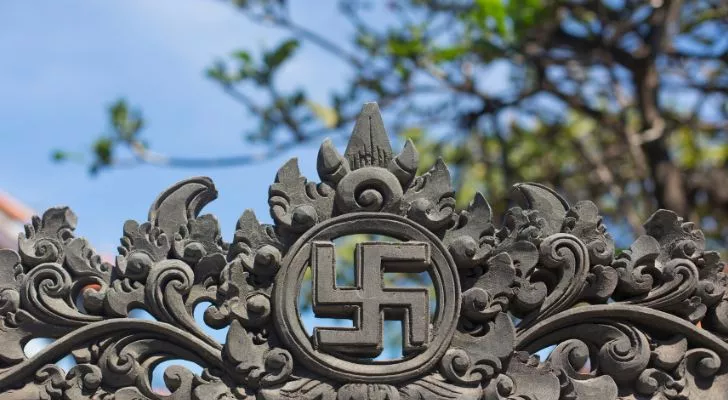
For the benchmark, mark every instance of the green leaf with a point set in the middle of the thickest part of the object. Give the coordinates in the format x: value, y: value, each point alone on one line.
x: 218, y: 72
x: 524, y: 14
x: 119, y: 113
x: 366, y: 41
x: 401, y: 46
x: 496, y: 10
x: 448, y: 53
x: 103, y: 149
x: 273, y: 59
x: 59, y: 155
x: 243, y: 56
x: 126, y: 123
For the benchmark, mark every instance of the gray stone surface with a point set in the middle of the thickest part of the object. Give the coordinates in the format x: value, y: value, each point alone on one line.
x: 623, y: 325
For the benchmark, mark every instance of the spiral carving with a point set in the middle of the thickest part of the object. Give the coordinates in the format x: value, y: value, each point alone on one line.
x: 677, y: 281
x: 168, y: 279
x: 47, y: 292
x: 42, y: 251
x: 167, y: 285
x: 625, y: 353
x: 457, y: 366
x: 478, y: 305
x: 569, y: 257
x: 45, y: 237
x: 705, y: 362
x: 369, y: 189
x: 278, y: 365
x: 570, y: 356
x: 297, y: 204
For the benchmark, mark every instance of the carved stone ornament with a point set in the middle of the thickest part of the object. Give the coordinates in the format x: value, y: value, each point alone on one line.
x: 624, y: 325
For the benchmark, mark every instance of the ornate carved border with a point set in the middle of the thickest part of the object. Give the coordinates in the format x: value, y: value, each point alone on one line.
x: 647, y: 322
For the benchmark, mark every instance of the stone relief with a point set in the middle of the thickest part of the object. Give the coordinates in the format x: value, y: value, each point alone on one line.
x: 623, y: 325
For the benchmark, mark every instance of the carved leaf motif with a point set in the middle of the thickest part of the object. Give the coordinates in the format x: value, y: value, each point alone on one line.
x: 200, y: 237
x: 82, y: 261
x: 404, y: 165
x: 258, y: 364
x: 669, y: 270
x: 479, y: 356
x: 565, y: 263
x: 584, y: 222
x: 256, y: 247
x: 166, y: 290
x: 11, y: 278
x: 631, y: 264
x: 141, y: 246
x: 550, y: 206
x: 588, y: 276
x: 181, y: 203
x: 206, y: 280
x: 524, y: 379
x: 521, y: 225
x: 50, y: 253
x: 676, y: 372
x: 431, y: 198
x: 471, y: 238
x: 239, y: 300
x: 600, y: 284
x: 301, y: 388
x: 45, y: 237
x: 363, y: 391
x: 295, y: 203
x: 569, y: 358
x: 490, y: 293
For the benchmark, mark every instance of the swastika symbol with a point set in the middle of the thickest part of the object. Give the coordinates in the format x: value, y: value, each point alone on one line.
x: 369, y: 303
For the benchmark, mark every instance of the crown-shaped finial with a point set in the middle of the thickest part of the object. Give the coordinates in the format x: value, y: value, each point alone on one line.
x: 369, y: 144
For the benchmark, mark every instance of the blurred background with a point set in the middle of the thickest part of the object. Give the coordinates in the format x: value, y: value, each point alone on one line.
x: 105, y: 104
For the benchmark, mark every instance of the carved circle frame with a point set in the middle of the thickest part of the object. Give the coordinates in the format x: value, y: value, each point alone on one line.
x: 288, y: 285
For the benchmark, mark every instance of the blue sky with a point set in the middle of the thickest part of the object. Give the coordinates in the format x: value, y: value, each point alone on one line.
x: 63, y: 63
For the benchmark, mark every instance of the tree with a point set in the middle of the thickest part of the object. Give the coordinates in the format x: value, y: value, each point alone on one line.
x: 620, y: 101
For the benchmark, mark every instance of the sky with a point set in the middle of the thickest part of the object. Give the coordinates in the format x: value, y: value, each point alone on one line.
x: 63, y: 63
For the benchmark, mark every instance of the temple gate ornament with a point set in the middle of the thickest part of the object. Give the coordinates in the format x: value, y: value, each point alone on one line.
x: 649, y: 322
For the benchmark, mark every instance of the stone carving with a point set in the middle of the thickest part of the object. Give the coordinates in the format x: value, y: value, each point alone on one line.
x: 622, y: 326
x: 421, y: 357
x: 370, y: 298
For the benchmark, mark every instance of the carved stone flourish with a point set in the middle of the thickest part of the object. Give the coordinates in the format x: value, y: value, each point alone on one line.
x: 619, y: 326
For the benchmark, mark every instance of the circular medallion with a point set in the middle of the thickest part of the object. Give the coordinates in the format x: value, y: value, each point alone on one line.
x: 340, y: 353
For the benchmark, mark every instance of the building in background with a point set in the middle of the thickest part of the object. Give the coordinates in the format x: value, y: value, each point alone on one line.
x: 13, y: 215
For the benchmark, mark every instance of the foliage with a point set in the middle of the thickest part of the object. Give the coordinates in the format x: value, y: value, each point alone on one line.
x: 620, y: 101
